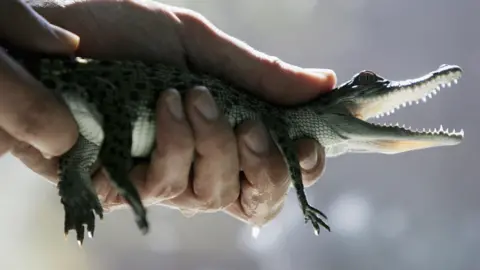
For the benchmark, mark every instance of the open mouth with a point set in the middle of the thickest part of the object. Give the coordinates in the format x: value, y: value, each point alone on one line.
x: 406, y: 93
x: 393, y: 95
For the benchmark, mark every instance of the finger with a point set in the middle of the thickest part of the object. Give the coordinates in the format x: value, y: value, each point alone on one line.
x: 266, y: 179
x: 138, y: 175
x: 34, y: 160
x: 172, y: 157
x: 237, y: 211
x: 101, y: 184
x: 22, y: 26
x: 262, y: 74
x: 215, y: 180
x: 312, y: 160
x: 31, y: 113
x: 108, y: 194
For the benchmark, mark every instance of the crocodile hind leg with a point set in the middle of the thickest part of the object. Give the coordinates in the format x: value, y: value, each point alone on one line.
x: 286, y: 146
x: 117, y: 161
x: 75, y: 188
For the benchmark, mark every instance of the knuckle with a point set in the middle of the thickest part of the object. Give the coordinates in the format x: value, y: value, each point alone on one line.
x: 274, y: 63
x: 178, y: 141
x: 250, y: 211
x: 28, y: 156
x: 170, y: 190
x: 208, y: 200
x: 218, y: 190
x: 212, y: 204
x: 261, y: 213
x: 29, y: 124
x: 229, y: 197
x: 217, y: 202
x: 222, y: 142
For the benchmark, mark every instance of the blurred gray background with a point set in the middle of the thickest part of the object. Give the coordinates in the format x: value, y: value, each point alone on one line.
x: 418, y: 210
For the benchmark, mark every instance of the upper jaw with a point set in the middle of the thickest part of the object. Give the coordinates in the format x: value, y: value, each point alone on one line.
x: 396, y: 94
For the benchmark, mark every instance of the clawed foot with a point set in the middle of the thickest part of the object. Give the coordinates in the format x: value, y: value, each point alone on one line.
x: 80, y: 210
x: 312, y: 214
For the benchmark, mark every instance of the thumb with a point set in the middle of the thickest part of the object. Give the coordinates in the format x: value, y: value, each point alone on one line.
x: 287, y: 84
x: 259, y: 73
x: 22, y: 26
x: 305, y: 84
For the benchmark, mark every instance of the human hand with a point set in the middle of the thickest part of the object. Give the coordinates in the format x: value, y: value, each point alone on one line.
x: 30, y: 116
x: 183, y: 38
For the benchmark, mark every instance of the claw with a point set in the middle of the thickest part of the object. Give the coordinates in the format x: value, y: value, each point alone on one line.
x: 318, y: 212
x: 311, y: 214
x: 80, y: 232
x: 76, y: 216
x: 98, y: 209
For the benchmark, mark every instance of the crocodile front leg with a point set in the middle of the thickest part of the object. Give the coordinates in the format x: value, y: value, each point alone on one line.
x: 280, y: 135
x: 78, y: 197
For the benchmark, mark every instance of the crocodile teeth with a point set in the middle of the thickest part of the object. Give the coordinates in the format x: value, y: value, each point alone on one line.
x: 416, y: 91
x: 436, y: 131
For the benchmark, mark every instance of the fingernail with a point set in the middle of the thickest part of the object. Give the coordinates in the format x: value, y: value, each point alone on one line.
x: 322, y: 71
x: 206, y: 105
x: 68, y: 38
x: 326, y: 74
x: 257, y: 139
x: 47, y: 156
x: 311, y: 160
x: 174, y: 105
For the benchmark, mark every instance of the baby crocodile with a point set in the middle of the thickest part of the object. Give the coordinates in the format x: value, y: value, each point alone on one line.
x: 114, y: 103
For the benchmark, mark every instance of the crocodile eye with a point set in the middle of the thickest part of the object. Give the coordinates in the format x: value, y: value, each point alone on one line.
x: 366, y: 77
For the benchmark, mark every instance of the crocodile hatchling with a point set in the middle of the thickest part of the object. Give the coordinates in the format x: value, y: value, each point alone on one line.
x: 114, y: 102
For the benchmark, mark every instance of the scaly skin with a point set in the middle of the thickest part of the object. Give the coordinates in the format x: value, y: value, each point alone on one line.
x: 114, y: 104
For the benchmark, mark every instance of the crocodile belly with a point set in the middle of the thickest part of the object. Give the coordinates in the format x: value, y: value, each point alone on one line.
x: 143, y: 135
